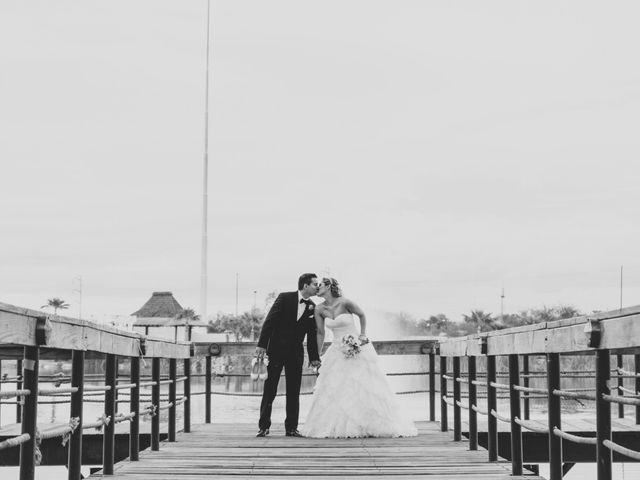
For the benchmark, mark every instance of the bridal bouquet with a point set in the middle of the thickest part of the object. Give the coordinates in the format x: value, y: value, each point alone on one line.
x: 350, y: 346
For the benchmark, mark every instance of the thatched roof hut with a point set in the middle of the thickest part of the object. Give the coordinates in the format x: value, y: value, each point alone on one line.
x: 161, y: 304
x: 163, y: 314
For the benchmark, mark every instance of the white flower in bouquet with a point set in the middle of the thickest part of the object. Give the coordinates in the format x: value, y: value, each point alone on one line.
x: 350, y: 346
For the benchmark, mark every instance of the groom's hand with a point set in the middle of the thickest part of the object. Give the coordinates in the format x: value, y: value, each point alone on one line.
x: 260, y: 352
x: 315, y: 363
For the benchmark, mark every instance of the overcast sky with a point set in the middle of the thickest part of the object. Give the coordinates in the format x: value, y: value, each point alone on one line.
x: 427, y: 153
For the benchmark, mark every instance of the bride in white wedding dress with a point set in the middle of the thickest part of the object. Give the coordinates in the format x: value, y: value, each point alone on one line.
x: 352, y: 397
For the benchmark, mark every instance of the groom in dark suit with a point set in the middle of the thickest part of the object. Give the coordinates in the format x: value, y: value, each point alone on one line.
x: 291, y: 318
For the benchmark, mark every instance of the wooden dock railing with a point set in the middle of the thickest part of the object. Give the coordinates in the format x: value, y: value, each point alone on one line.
x: 28, y: 336
x: 599, y: 335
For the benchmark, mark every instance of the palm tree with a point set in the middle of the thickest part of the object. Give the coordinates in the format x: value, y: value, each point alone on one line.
x: 57, y: 304
x: 188, y: 314
x: 483, y: 321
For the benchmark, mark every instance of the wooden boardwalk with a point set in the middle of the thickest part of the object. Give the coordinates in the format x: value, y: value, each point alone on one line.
x: 231, y: 451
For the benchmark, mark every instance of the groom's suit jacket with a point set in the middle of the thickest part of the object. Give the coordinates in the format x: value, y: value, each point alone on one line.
x: 282, y: 333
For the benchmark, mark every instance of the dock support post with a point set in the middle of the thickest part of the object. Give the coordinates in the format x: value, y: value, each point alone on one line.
x: 525, y: 383
x: 432, y: 386
x: 172, y: 400
x: 443, y: 393
x: 492, y: 430
x: 473, y: 415
x: 186, y: 388
x: 108, y: 439
x: 636, y: 361
x: 207, y: 390
x: 620, y: 392
x: 29, y: 412
x: 514, y: 402
x: 603, y: 414
x: 554, y: 416
x: 19, y: 381
x: 155, y: 400
x: 457, y: 423
x: 74, y: 463
x: 134, y: 406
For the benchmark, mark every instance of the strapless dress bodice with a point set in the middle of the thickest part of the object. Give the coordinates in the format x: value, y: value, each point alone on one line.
x: 342, y: 325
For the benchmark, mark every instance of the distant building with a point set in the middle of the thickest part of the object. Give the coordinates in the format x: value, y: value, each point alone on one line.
x: 162, y: 316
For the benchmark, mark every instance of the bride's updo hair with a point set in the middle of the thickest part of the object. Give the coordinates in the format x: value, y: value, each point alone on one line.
x: 334, y: 286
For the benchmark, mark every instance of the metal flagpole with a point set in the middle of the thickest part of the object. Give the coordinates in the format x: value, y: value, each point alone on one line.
x: 205, y: 176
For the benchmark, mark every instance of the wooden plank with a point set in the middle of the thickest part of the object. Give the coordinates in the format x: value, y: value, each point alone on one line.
x: 157, y: 347
x: 232, y: 451
x: 17, y: 329
x: 620, y: 330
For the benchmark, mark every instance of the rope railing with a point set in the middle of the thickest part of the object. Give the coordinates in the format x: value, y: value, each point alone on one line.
x: 98, y: 424
x: 623, y: 400
x: 622, y: 371
x: 14, y: 393
x: 448, y: 377
x: 15, y: 441
x: 542, y: 391
x: 477, y: 409
x: 531, y: 426
x: 627, y: 452
x: 574, y: 438
x: 122, y: 417
x: 627, y: 390
x: 500, y: 417
x: 63, y: 431
x: 447, y: 400
x: 500, y: 386
x: 56, y: 391
x: 461, y: 405
x: 574, y: 395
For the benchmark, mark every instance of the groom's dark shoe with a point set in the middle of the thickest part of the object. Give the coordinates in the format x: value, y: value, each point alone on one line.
x: 263, y: 432
x: 293, y: 433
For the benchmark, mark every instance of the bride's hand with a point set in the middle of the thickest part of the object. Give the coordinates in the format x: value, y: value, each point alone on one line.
x: 363, y: 339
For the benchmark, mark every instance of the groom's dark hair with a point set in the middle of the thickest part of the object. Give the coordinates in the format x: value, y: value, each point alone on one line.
x: 305, y: 279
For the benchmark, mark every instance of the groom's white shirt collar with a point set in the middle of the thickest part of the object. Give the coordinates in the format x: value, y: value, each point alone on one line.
x: 301, y: 306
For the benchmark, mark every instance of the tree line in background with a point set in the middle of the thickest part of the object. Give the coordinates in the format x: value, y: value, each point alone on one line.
x: 246, y: 325
x: 478, y: 321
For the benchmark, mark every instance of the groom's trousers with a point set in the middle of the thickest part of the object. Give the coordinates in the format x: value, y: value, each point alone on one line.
x: 292, y: 365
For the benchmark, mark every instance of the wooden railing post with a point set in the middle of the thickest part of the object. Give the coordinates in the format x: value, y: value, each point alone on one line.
x: 172, y: 400
x: 514, y: 403
x: 108, y: 440
x: 636, y: 361
x: 155, y: 400
x: 603, y: 414
x: 19, y: 387
x: 74, y: 464
x: 554, y: 416
x: 457, y: 423
x: 187, y: 394
x: 443, y: 393
x: 134, y: 406
x: 29, y: 412
x: 473, y: 400
x: 525, y: 383
x: 207, y: 389
x: 432, y: 386
x: 620, y: 392
x: 492, y: 426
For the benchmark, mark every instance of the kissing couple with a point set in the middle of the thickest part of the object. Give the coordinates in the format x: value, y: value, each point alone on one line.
x: 352, y: 397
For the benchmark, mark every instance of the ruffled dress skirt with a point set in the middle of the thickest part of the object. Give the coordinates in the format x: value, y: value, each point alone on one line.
x: 352, y: 399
